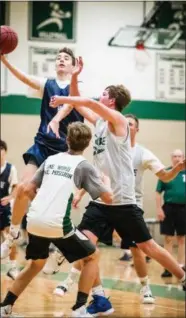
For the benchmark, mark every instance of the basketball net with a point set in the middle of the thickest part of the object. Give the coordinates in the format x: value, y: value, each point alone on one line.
x: 142, y: 57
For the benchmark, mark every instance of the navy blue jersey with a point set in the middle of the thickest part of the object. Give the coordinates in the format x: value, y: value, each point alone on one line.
x: 5, y: 185
x: 47, y: 113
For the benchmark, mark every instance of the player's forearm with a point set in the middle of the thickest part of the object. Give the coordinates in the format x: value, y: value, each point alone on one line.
x: 158, y: 200
x: 168, y: 175
x: 74, y: 90
x: 26, y: 79
x: 62, y: 113
x: 107, y: 197
x: 81, y: 192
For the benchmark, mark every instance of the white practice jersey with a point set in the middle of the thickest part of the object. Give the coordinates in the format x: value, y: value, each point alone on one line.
x: 143, y: 159
x: 112, y: 156
x: 49, y: 213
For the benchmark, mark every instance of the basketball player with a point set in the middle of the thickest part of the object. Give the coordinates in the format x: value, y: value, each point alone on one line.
x: 143, y: 159
x: 9, y: 181
x: 49, y: 216
x: 112, y: 156
x: 45, y: 143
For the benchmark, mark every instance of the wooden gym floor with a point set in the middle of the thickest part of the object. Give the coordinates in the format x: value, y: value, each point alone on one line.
x: 120, y: 282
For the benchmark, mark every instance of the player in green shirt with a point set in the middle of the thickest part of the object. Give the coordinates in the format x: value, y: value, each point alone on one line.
x: 172, y: 213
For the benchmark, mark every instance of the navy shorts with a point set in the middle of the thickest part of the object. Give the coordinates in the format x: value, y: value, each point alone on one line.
x: 38, y: 154
x: 5, y: 216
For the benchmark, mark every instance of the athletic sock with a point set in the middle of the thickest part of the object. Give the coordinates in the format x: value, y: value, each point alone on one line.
x: 98, y: 290
x: 144, y: 280
x: 80, y: 301
x: 9, y: 299
x: 74, y: 275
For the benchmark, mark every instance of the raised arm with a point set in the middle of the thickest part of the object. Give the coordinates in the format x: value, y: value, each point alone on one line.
x: 168, y: 175
x: 26, y: 79
x: 112, y: 116
x: 75, y: 91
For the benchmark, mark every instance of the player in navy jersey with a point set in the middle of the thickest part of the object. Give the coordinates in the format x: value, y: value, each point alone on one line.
x: 46, y: 143
x: 8, y: 185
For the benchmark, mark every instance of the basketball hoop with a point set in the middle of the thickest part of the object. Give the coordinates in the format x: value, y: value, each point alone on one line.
x: 142, y: 57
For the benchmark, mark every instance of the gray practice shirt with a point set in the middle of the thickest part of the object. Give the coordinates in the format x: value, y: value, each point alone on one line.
x: 86, y: 176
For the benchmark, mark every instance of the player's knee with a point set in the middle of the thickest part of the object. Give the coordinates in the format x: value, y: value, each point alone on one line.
x: 169, y: 239
x: 181, y: 239
x: 93, y: 257
x: 137, y: 252
x: 149, y: 247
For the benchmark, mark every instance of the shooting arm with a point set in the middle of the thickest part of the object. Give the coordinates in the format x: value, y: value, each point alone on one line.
x: 106, y: 113
x: 26, y: 79
x: 87, y: 113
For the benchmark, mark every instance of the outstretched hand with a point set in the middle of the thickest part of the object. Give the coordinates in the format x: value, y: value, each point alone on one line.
x: 55, y: 101
x: 181, y: 165
x: 54, y: 126
x: 78, y: 66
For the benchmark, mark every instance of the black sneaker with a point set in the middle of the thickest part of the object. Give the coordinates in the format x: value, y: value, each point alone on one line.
x: 166, y: 273
x: 125, y: 257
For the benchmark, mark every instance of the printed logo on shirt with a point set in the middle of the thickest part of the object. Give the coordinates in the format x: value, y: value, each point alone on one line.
x: 61, y: 171
x: 99, y: 145
x: 184, y: 177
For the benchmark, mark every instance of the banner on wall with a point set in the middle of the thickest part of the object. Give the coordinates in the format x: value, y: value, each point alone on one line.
x: 170, y: 77
x: 42, y: 61
x: 52, y: 21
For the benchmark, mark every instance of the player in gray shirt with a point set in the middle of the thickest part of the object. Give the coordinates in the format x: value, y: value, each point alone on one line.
x: 51, y: 192
x: 113, y: 156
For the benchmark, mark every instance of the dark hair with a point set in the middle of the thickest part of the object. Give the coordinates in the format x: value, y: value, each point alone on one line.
x: 79, y: 136
x: 70, y: 53
x: 133, y: 117
x: 121, y: 94
x: 3, y: 145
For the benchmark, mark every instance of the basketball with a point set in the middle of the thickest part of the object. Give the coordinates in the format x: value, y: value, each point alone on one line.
x: 8, y: 39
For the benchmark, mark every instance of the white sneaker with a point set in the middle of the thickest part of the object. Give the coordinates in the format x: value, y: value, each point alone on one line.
x: 13, y: 272
x: 6, y: 311
x: 81, y: 312
x: 53, y: 263
x: 146, y: 295
x: 63, y: 287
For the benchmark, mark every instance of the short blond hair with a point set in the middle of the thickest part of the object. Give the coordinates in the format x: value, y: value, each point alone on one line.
x: 79, y: 136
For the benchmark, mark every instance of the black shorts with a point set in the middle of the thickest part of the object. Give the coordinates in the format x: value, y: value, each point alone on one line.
x: 5, y: 216
x: 24, y: 222
x: 127, y: 220
x: 75, y: 247
x: 175, y: 219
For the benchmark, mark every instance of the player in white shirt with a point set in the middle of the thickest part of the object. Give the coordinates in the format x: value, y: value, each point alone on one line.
x: 8, y: 187
x: 112, y: 156
x: 143, y: 159
x: 46, y: 143
x: 49, y: 218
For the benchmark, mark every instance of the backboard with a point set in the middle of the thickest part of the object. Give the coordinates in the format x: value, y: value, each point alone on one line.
x: 159, y: 39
